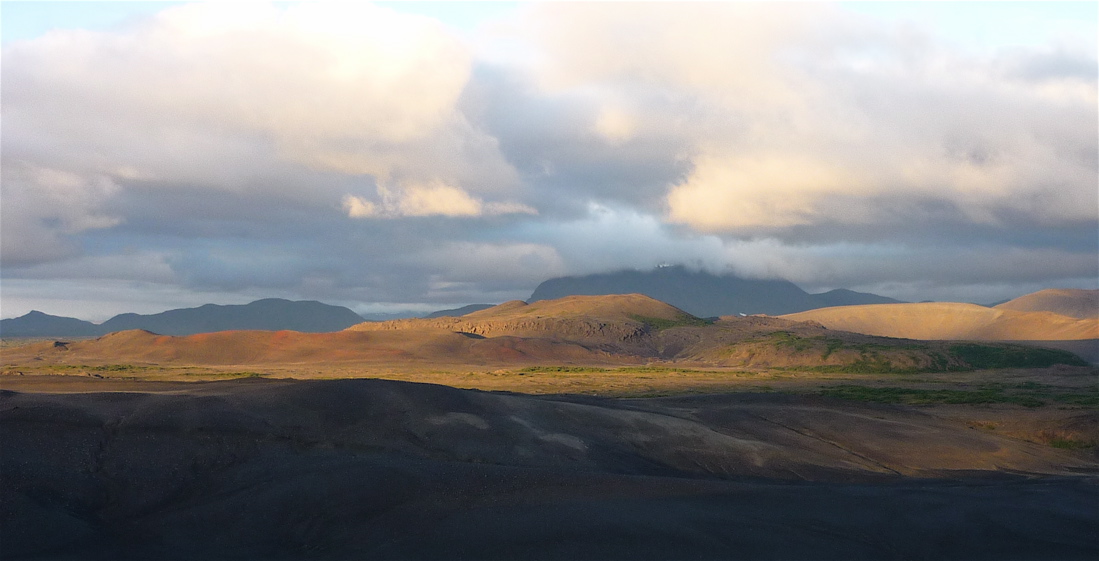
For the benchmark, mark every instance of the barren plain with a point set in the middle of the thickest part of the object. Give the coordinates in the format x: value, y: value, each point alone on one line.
x: 582, y: 428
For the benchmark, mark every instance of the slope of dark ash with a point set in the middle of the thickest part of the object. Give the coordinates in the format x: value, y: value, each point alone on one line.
x: 378, y: 469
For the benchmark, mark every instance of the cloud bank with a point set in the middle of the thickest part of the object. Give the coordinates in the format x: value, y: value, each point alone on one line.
x: 357, y: 154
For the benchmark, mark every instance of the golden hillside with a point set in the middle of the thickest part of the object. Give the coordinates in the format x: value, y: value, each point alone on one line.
x: 1074, y: 303
x: 950, y: 320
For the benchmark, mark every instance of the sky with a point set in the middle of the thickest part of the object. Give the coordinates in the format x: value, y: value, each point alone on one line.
x: 425, y: 155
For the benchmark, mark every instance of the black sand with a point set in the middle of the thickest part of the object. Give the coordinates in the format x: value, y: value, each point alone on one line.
x: 369, y: 469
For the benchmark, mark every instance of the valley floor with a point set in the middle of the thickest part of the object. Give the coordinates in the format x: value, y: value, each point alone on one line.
x: 727, y: 464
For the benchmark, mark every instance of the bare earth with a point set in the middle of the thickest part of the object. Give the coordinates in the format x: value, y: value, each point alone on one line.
x: 1075, y: 303
x: 380, y: 469
x: 582, y: 429
x: 948, y: 320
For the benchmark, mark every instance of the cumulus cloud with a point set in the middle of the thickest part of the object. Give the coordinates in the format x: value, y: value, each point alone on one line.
x: 354, y: 153
x: 351, y: 89
x: 45, y: 208
x: 789, y: 109
x: 427, y: 199
x: 768, y: 191
x: 305, y: 77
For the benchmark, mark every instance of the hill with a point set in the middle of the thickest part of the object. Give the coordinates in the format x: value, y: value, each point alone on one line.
x: 614, y: 323
x: 590, y: 330
x: 271, y: 314
x: 377, y: 469
x: 38, y: 324
x: 704, y: 294
x: 454, y: 312
x: 1074, y: 303
x: 948, y: 320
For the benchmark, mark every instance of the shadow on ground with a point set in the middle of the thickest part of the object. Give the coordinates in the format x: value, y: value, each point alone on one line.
x: 372, y: 469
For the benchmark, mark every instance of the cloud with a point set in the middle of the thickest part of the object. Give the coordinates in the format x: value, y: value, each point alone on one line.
x: 344, y: 88
x: 494, y: 264
x: 427, y: 199
x: 45, y: 208
x: 734, y: 193
x: 788, y: 110
x: 615, y: 124
x: 353, y: 153
x: 358, y: 207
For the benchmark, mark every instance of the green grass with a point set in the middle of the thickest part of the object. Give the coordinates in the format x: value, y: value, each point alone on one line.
x: 861, y: 366
x: 245, y: 374
x: 832, y: 345
x: 1069, y: 444
x: 658, y: 324
x: 621, y: 370
x: 983, y: 357
x: 876, y: 358
x: 914, y: 396
x: 103, y: 367
x: 1082, y: 399
x: 561, y: 369
x: 785, y: 339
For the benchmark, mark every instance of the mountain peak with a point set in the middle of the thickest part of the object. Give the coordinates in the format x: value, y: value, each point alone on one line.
x: 269, y: 314
x: 702, y: 293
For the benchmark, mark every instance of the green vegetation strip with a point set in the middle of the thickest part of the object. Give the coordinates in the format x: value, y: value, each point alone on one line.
x: 1069, y: 444
x: 1027, y: 394
x: 685, y: 320
x: 1012, y: 356
x: 902, y: 357
x: 621, y: 370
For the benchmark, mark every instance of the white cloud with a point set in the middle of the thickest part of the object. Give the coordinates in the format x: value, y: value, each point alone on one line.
x: 358, y: 207
x: 338, y: 87
x: 615, y: 124
x: 43, y: 208
x: 750, y: 192
x: 433, y: 198
x: 770, y: 139
x: 787, y: 110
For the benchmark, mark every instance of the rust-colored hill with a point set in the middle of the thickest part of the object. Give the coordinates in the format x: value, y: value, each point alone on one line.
x: 1075, y: 303
x: 615, y: 329
x: 406, y: 347
x: 618, y: 323
x: 949, y: 320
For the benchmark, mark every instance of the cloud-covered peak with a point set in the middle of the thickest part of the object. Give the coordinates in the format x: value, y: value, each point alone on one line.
x: 359, y: 154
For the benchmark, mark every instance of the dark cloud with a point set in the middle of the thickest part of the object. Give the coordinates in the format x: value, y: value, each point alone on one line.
x: 249, y: 156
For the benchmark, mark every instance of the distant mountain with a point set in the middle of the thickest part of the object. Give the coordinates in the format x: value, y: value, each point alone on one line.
x: 38, y: 324
x: 844, y: 297
x: 458, y: 311
x: 271, y: 314
x: 704, y: 294
x: 1077, y: 303
x: 387, y: 316
x: 622, y: 329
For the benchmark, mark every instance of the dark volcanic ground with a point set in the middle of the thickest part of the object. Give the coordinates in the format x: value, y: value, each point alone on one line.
x: 371, y: 469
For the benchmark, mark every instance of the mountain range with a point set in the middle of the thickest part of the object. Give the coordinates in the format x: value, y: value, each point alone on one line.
x: 704, y: 294
x: 698, y: 293
x: 272, y: 314
x: 589, y: 330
